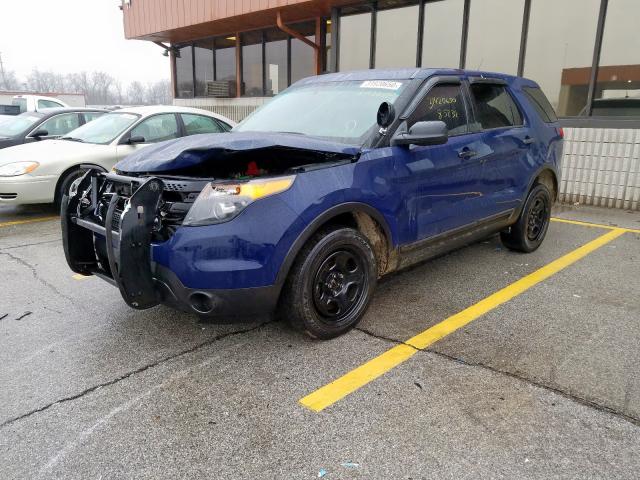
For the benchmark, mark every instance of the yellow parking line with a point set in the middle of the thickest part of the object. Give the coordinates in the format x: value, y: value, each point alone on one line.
x: 31, y: 220
x: 77, y: 276
x: 362, y: 375
x: 594, y: 225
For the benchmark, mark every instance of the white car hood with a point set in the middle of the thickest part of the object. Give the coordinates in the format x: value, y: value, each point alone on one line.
x: 55, y: 156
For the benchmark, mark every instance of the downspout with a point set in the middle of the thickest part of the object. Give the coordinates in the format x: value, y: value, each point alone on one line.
x: 302, y: 38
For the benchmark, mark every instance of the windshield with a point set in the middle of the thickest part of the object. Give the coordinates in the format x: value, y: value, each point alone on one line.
x: 103, y: 129
x: 340, y: 111
x: 20, y: 102
x: 12, y: 126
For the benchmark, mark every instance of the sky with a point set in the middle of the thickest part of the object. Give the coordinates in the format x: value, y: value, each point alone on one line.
x: 75, y: 35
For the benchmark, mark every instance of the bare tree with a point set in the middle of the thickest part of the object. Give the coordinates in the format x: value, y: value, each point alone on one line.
x: 159, y: 93
x: 9, y: 81
x: 136, y: 93
x: 45, y: 81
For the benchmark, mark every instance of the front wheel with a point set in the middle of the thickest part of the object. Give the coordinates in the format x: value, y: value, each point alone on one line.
x: 529, y: 231
x: 331, y: 283
x: 64, y: 184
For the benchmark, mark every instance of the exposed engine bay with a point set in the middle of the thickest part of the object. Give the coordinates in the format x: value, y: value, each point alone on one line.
x: 182, y: 186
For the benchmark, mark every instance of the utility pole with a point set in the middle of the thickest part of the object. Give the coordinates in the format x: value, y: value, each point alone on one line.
x: 2, y: 77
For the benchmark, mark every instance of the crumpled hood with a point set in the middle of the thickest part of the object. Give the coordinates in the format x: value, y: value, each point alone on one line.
x: 189, y: 151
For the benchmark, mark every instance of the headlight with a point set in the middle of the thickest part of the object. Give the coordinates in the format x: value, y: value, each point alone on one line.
x: 220, y: 202
x: 17, y: 168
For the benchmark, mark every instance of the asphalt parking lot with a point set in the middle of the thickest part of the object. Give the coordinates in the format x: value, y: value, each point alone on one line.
x: 480, y: 364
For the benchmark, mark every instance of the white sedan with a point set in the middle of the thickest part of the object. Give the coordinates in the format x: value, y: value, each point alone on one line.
x: 40, y: 172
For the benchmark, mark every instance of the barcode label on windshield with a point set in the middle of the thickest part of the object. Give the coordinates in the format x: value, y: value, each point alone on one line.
x: 387, y: 85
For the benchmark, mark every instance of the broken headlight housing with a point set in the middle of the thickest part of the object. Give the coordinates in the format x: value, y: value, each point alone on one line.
x: 220, y: 202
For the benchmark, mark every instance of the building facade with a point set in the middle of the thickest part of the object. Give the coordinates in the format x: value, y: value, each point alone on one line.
x: 231, y: 56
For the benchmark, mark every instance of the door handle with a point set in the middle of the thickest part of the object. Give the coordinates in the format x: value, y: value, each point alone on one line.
x: 528, y: 140
x: 466, y: 153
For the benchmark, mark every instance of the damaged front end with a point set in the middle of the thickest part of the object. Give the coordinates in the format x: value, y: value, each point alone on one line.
x: 112, y: 223
x: 109, y: 222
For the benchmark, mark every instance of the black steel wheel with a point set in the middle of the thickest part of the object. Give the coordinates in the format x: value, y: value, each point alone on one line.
x: 527, y: 234
x: 330, y: 284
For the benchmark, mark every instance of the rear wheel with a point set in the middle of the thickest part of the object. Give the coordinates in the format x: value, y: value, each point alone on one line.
x: 527, y: 234
x: 331, y: 283
x: 64, y: 183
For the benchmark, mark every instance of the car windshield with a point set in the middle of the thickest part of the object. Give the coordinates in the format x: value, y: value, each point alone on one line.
x: 340, y: 111
x: 12, y: 126
x: 103, y: 129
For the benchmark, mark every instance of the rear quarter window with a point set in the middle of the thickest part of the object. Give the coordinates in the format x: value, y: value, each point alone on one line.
x: 541, y: 104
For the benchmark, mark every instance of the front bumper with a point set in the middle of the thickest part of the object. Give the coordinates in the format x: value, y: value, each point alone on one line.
x: 25, y: 189
x: 121, y: 253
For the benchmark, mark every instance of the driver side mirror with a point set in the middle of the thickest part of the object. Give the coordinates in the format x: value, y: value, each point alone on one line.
x: 38, y: 134
x: 136, y: 139
x: 423, y: 133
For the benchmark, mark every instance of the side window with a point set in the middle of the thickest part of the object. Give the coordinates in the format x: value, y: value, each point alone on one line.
x: 88, y: 116
x: 157, y: 128
x: 494, y: 107
x: 195, y: 124
x: 541, y: 104
x: 444, y: 103
x: 61, y: 124
x: 48, y: 104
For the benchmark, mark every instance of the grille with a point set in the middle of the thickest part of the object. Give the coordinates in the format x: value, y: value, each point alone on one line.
x: 175, y: 186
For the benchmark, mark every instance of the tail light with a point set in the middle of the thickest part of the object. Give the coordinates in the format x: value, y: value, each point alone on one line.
x: 561, y: 132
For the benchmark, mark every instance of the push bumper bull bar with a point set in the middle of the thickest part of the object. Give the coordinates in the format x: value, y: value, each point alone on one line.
x: 128, y: 248
x: 125, y: 240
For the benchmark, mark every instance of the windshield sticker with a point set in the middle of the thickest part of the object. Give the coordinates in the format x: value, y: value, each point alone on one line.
x: 385, y: 84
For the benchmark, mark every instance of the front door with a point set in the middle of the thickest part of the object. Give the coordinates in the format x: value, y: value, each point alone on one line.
x: 441, y: 184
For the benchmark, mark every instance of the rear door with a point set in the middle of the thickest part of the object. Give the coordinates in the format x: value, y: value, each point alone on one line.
x: 440, y: 184
x: 508, y: 142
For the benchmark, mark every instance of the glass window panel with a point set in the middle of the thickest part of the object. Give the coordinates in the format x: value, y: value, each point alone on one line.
x: 355, y: 40
x: 495, y: 28
x: 442, y: 33
x: 184, y: 73
x: 396, y: 37
x: 443, y: 103
x: 203, y: 53
x: 252, y: 64
x: 494, y: 107
x: 276, y: 61
x: 226, y: 62
x: 88, y: 116
x: 302, y: 55
x: 560, y: 50
x: 197, y: 124
x: 60, y: 124
x: 157, y: 128
x: 618, y: 86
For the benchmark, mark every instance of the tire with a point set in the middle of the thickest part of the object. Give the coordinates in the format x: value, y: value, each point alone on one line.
x: 527, y: 234
x: 63, y: 186
x: 330, y: 284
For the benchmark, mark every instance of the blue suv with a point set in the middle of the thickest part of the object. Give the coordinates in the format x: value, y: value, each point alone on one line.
x: 335, y: 182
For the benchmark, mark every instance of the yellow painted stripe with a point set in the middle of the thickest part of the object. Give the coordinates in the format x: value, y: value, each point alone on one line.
x: 594, y: 225
x: 31, y: 220
x: 77, y: 276
x: 352, y: 381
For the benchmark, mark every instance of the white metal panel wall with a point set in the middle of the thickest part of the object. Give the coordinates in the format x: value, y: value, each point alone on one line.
x: 234, y: 108
x: 601, y: 166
